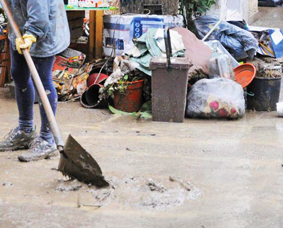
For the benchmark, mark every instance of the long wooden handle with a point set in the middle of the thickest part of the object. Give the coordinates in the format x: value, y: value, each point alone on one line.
x: 36, y: 79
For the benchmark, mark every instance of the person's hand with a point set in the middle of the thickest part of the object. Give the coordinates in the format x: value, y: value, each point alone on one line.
x: 28, y: 41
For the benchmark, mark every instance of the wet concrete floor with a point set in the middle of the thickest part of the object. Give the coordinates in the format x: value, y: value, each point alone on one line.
x: 270, y: 17
x: 234, y: 170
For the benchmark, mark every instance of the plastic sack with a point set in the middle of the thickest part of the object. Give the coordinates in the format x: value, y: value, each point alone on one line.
x: 215, y: 43
x: 220, y: 65
x: 216, y: 98
x: 239, y: 42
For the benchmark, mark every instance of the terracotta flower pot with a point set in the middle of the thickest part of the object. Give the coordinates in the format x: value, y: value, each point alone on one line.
x: 131, y: 99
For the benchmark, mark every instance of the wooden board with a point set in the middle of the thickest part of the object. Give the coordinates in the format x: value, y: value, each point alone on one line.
x: 4, y: 62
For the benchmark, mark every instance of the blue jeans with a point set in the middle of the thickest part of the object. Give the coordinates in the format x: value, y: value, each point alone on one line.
x: 25, y: 92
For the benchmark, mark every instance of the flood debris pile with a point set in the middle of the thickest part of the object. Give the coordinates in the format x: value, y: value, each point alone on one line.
x: 268, y: 67
x: 71, y: 74
x: 124, y: 81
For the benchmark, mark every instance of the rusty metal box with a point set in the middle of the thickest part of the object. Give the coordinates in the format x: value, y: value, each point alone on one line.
x: 169, y: 89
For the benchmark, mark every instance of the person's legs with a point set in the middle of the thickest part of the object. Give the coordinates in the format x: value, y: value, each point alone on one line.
x: 24, y: 134
x: 44, y: 67
x: 24, y: 91
x: 44, y: 146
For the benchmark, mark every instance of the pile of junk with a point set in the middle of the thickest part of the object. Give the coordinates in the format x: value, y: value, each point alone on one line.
x: 167, y: 73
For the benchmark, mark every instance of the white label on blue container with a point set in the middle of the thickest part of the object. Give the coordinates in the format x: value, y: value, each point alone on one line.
x: 277, y: 37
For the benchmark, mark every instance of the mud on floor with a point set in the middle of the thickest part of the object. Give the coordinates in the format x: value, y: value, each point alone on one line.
x: 138, y: 192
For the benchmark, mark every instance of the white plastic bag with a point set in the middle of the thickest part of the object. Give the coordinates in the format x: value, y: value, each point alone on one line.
x: 216, y: 98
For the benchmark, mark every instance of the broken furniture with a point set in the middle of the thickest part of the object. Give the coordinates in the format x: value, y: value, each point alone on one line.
x: 95, y: 30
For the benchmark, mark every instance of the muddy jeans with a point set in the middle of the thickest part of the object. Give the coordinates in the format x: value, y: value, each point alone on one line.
x: 25, y: 92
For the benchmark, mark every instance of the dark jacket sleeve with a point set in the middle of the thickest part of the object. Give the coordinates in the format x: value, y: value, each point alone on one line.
x: 38, y: 18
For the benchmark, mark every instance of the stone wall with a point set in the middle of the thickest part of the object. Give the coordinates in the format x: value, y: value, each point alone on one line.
x: 253, y: 7
x: 253, y: 10
x: 165, y: 7
x: 248, y: 9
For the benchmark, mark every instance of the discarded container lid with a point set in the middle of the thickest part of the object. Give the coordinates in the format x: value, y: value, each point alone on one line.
x: 244, y: 74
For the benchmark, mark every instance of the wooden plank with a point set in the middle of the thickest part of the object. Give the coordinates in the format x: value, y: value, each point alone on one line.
x: 98, y: 34
x: 95, y: 34
x: 4, y: 62
x: 91, y: 34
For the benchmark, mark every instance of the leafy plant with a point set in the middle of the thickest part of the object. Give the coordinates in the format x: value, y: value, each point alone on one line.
x: 190, y: 8
x: 120, y: 86
x: 144, y: 113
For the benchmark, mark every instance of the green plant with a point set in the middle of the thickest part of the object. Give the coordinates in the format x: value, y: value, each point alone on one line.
x: 120, y: 86
x: 190, y: 8
x: 144, y: 113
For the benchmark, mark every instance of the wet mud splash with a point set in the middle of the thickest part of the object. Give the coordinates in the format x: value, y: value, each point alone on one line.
x: 138, y: 192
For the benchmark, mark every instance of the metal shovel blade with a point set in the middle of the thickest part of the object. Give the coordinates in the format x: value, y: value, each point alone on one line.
x: 77, y: 163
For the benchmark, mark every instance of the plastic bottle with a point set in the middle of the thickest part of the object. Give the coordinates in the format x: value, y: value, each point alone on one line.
x: 220, y: 65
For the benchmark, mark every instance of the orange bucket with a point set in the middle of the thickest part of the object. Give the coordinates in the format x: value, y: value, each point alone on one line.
x: 244, y: 74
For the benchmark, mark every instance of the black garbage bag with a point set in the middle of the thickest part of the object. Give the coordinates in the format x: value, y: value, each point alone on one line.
x: 270, y: 2
x: 239, y: 42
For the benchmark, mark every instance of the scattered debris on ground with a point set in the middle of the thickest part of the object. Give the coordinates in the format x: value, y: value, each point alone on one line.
x: 68, y: 185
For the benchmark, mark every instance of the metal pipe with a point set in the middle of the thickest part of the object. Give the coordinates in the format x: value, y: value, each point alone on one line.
x: 209, y: 33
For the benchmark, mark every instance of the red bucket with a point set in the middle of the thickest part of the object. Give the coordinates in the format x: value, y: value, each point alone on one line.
x: 93, y: 78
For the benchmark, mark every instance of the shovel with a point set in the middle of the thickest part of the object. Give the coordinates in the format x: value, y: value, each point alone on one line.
x: 75, y: 162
